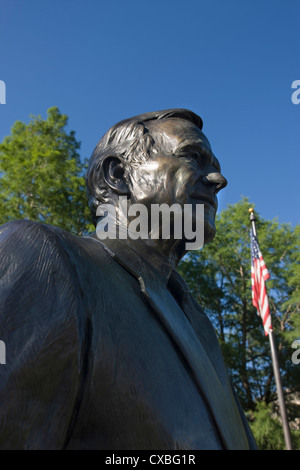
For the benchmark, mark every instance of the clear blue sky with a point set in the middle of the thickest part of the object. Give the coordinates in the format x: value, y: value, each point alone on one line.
x: 230, y: 61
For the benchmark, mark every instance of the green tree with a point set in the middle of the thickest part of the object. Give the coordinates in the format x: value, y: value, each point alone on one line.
x: 42, y: 174
x: 220, y: 278
x: 268, y: 430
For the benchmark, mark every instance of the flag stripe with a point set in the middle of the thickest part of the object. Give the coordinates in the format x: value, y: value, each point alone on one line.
x: 259, y: 274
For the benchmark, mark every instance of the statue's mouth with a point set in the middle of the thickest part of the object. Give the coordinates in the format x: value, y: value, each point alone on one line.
x: 204, y: 199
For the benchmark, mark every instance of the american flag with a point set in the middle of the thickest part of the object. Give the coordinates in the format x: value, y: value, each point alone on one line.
x: 259, y: 274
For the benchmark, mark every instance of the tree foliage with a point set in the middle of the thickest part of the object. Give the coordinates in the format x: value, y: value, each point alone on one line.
x: 220, y: 279
x: 42, y: 174
x: 268, y: 430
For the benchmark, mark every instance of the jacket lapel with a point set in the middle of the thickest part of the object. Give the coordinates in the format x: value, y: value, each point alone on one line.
x: 218, y: 395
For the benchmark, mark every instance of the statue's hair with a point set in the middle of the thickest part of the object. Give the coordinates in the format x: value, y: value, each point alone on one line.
x: 131, y: 141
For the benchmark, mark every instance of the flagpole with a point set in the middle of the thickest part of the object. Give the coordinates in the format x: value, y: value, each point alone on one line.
x: 286, y: 429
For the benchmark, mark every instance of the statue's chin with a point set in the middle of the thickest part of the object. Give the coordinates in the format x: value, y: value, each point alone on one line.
x: 209, y: 232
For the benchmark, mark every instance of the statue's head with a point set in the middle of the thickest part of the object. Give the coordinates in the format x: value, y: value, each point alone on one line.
x: 154, y: 158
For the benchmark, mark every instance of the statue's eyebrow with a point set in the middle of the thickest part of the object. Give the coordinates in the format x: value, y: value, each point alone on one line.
x: 196, y: 147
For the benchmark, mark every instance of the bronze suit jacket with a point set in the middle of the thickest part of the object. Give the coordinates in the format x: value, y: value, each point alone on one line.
x: 106, y: 349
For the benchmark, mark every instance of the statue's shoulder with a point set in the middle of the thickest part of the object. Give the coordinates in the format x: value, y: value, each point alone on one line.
x: 35, y: 233
x: 27, y: 242
x: 31, y: 235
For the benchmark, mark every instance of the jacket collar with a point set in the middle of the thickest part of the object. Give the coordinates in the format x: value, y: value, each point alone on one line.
x: 136, y: 256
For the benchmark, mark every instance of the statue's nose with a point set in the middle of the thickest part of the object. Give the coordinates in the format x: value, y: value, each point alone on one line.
x: 215, y: 179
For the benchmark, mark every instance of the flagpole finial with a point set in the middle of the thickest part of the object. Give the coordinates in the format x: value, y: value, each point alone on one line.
x: 252, y: 215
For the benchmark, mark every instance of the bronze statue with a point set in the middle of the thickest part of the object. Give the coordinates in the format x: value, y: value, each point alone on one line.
x: 105, y: 346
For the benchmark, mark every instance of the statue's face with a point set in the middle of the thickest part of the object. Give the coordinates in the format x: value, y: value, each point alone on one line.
x: 182, y: 169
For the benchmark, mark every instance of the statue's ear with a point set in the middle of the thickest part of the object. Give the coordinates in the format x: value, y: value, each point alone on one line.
x: 113, y: 173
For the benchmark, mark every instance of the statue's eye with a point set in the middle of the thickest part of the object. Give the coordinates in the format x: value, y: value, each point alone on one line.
x: 196, y: 156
